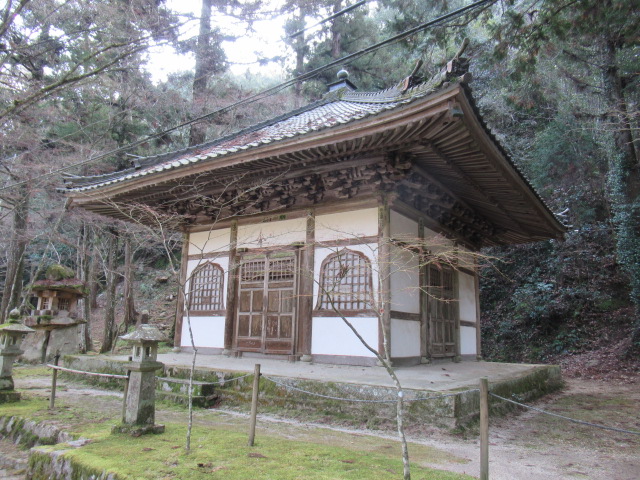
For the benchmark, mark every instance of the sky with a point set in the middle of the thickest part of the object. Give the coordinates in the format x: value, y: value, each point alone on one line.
x: 266, y: 39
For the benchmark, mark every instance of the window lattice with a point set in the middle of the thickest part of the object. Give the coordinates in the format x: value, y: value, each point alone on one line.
x: 206, y: 288
x: 64, y: 304
x: 252, y: 271
x: 345, y: 280
x: 442, y: 304
x: 281, y: 269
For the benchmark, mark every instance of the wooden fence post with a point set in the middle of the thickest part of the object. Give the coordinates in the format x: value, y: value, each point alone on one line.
x: 254, y: 404
x: 54, y: 381
x: 484, y: 428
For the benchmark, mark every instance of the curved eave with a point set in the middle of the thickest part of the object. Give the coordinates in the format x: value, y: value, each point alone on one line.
x: 493, y: 186
x: 369, y: 125
x: 502, y: 161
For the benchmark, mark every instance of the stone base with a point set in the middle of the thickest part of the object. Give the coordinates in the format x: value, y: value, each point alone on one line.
x: 9, y: 396
x: 6, y: 384
x: 137, y: 430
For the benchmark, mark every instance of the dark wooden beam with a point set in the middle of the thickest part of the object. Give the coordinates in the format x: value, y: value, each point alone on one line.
x: 232, y: 289
x: 305, y: 309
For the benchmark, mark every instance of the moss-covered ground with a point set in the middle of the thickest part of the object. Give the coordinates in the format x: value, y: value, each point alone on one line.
x: 219, y: 444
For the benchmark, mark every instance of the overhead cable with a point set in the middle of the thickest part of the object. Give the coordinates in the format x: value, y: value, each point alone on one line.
x: 331, y: 17
x: 269, y: 91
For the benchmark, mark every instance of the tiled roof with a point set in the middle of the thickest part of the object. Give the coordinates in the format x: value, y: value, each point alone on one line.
x: 336, y: 108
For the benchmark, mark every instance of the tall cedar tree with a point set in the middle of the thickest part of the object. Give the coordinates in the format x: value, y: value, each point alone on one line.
x: 601, y: 37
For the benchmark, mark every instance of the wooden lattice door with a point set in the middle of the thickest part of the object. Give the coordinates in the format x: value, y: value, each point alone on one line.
x: 443, y: 311
x: 266, y: 304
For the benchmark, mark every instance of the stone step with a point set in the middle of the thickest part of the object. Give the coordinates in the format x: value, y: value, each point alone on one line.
x: 176, y: 390
x: 13, y: 461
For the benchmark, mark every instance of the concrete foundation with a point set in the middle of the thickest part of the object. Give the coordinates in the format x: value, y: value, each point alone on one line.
x: 458, y: 381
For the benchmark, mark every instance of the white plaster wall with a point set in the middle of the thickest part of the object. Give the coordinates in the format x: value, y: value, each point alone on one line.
x: 222, y: 260
x: 467, y: 340
x: 207, y: 332
x: 405, y: 338
x: 269, y: 234
x: 467, y: 258
x: 437, y: 243
x: 347, y: 225
x: 405, y: 281
x: 403, y: 227
x: 370, y: 250
x: 467, y: 294
x: 209, y: 241
x: 330, y: 336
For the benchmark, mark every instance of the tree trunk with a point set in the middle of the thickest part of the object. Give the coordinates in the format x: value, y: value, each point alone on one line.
x: 87, y: 261
x: 129, y: 304
x: 300, y: 48
x: 15, y: 266
x: 336, y: 34
x: 92, y: 279
x: 623, y: 182
x: 110, y: 304
x: 202, y: 72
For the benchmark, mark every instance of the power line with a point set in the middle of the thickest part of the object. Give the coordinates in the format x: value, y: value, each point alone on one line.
x: 331, y: 17
x: 269, y: 91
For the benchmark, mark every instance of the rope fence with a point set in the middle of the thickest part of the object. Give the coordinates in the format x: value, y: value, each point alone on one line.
x: 484, y: 423
x: 360, y: 400
x: 580, y: 422
x: 54, y: 381
x: 186, y: 381
x: 484, y: 395
x: 82, y: 372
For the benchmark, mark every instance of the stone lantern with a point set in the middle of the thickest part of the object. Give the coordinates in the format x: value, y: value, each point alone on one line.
x: 56, y: 319
x: 140, y: 407
x: 11, y: 336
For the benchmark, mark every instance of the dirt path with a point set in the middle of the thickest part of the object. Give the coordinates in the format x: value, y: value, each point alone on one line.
x: 529, y: 445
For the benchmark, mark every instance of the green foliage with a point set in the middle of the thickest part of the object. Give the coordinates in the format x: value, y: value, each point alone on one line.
x: 549, y: 298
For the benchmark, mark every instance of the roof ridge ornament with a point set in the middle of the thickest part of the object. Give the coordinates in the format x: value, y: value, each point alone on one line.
x: 343, y: 84
x: 455, y: 70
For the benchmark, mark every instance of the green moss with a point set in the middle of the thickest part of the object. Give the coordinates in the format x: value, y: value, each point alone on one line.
x: 25, y: 371
x: 224, y: 452
x: 59, y: 272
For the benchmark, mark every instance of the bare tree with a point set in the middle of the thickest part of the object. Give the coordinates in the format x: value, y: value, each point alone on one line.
x: 392, y: 256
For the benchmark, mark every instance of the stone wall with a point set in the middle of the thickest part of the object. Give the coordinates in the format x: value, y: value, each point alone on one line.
x: 48, y: 445
x: 457, y: 408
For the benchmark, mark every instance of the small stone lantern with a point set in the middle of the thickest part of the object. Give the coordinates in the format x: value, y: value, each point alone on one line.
x: 11, y: 336
x: 140, y: 408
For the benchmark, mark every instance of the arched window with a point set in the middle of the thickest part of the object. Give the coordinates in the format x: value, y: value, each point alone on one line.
x: 345, y: 282
x: 205, y: 292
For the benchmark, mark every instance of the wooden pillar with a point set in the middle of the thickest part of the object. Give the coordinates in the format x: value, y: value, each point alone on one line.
x: 456, y: 305
x: 476, y: 282
x: 305, y: 309
x: 424, y: 297
x: 184, y: 261
x: 384, y: 271
x: 232, y: 289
